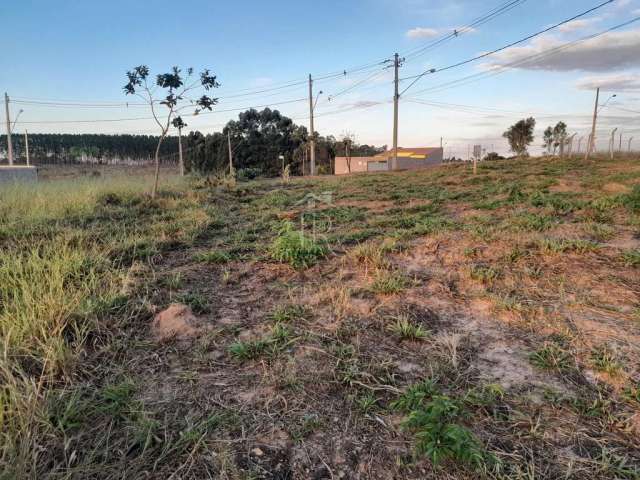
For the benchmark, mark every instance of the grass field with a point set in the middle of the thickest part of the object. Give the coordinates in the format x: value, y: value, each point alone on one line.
x: 430, y: 324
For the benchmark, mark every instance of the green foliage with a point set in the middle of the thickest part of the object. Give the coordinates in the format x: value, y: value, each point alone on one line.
x: 198, y: 302
x: 214, y: 256
x: 532, y: 221
x: 520, y: 135
x: 415, y: 396
x: 599, y: 231
x: 632, y: 200
x: 248, y: 350
x: 551, y: 356
x: 484, y: 273
x: 117, y: 400
x: 560, y: 203
x: 388, y: 283
x: 290, y: 313
x: 605, y: 360
x: 405, y: 329
x: 564, y: 245
x: 296, y: 248
x: 276, y: 341
x: 439, y: 437
x: 631, y: 258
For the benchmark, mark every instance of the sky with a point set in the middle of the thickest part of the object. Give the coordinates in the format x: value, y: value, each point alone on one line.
x: 75, y: 54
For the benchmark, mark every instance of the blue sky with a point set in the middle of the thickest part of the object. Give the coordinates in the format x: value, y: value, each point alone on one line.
x: 79, y: 51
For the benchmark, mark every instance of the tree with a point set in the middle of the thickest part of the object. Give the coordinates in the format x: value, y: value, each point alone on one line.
x: 179, y: 124
x: 175, y: 86
x: 348, y: 140
x: 559, y: 137
x: 548, y: 139
x: 520, y: 135
x: 491, y: 156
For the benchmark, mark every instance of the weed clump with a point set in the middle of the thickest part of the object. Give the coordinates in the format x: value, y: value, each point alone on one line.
x: 294, y: 247
x: 434, y: 420
x: 215, y: 256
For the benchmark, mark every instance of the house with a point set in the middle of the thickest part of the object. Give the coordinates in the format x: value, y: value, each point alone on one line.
x: 408, y: 159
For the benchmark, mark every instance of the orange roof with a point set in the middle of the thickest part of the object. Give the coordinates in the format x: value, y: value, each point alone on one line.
x: 409, y: 152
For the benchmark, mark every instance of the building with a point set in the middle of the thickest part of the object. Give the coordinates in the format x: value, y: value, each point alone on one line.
x: 408, y: 159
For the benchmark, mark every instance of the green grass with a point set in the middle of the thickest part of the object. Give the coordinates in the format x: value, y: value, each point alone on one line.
x: 290, y: 313
x: 214, y: 256
x: 404, y: 329
x: 388, y: 282
x: 297, y: 248
x: 439, y: 436
x: 564, y: 245
x: 551, y: 356
x: 631, y: 258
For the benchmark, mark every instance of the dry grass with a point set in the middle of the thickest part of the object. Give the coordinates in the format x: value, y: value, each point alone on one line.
x: 460, y: 326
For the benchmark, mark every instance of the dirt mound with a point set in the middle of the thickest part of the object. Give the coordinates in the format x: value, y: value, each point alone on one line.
x: 177, y: 321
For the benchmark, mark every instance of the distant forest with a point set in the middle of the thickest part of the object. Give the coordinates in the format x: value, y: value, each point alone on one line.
x: 258, y: 139
x: 54, y: 148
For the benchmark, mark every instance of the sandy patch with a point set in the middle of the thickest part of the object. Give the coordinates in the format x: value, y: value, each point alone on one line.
x: 177, y: 321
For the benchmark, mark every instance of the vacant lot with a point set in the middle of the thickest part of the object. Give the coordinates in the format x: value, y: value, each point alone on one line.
x: 430, y: 324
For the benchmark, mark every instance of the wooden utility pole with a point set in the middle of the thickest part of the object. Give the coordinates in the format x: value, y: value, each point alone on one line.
x: 9, y: 140
x: 26, y: 146
x: 396, y: 98
x: 592, y: 138
x: 180, y: 159
x: 304, y: 161
x: 612, y: 144
x: 630, y: 140
x: 312, y: 141
x: 230, y: 153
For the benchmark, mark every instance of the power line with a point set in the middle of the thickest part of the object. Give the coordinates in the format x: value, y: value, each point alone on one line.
x: 499, y: 10
x: 503, y: 8
x: 108, y: 120
x: 523, y: 61
x: 512, y: 44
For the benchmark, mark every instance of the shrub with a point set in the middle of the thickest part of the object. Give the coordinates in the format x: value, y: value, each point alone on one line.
x: 439, y: 437
x: 294, y: 247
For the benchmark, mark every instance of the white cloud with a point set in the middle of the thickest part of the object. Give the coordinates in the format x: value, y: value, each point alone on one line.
x: 262, y: 81
x: 616, y: 82
x: 636, y: 12
x: 420, y: 32
x: 578, y: 25
x: 614, y: 50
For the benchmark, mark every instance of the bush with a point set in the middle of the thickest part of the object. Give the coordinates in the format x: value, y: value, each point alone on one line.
x: 248, y: 173
x: 294, y: 247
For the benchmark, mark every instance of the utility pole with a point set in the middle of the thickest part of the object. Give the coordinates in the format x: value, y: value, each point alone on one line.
x: 396, y: 98
x: 312, y: 141
x: 592, y: 138
x: 26, y: 146
x: 612, y: 143
x: 180, y: 160
x: 230, y: 153
x: 620, y: 146
x: 440, y: 142
x: 9, y: 140
x: 630, y: 140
